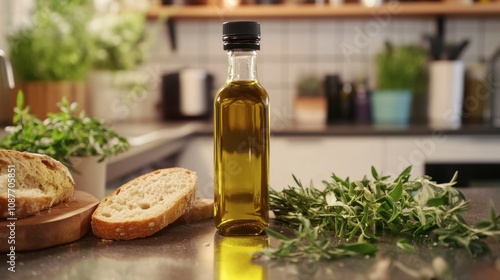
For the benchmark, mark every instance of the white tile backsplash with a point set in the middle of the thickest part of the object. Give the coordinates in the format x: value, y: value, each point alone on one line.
x: 300, y: 38
x: 491, y: 36
x: 294, y: 47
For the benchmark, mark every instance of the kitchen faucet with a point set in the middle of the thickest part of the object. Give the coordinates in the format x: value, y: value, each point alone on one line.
x: 6, y: 69
x: 7, y: 80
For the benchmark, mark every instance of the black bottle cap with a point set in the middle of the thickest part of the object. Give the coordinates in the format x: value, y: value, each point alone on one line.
x: 241, y: 35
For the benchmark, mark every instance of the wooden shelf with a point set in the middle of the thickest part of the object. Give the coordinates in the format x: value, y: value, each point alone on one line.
x: 283, y: 11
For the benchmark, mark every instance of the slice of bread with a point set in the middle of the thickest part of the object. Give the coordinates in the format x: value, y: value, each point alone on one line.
x: 146, y: 204
x: 40, y: 182
x: 202, y: 209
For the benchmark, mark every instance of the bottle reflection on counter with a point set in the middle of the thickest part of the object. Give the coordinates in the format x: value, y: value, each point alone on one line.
x: 233, y: 257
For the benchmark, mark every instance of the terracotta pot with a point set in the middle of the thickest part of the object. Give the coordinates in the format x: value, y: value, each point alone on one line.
x: 42, y: 97
x: 310, y: 109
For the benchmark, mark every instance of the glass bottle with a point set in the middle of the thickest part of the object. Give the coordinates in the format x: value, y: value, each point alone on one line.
x: 241, y: 137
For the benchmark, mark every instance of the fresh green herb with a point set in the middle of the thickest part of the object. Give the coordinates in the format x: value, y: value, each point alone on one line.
x: 62, y: 135
x: 316, y: 244
x: 120, y: 40
x: 405, y: 246
x: 401, y: 68
x: 57, y: 46
x: 361, y: 210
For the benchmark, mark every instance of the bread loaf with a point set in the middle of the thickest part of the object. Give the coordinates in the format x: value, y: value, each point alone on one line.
x: 40, y: 182
x: 202, y: 209
x: 146, y: 204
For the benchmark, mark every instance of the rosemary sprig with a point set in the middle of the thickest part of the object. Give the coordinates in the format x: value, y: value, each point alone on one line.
x: 360, y: 210
x: 316, y: 244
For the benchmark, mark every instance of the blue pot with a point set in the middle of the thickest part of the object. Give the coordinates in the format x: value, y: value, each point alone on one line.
x: 391, y: 107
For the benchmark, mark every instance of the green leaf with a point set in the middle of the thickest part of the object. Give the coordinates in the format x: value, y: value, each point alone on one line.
x: 437, y: 201
x: 493, y: 215
x: 374, y: 173
x: 404, y: 174
x: 361, y: 248
x: 396, y: 193
x: 276, y: 234
x: 20, y: 100
x: 405, y: 246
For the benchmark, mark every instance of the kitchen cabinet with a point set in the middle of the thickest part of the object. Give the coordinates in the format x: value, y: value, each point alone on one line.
x: 440, y: 148
x: 310, y: 159
x: 314, y: 158
x: 284, y: 11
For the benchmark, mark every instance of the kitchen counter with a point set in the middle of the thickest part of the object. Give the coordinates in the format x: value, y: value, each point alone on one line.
x: 373, y: 130
x: 149, y: 142
x: 157, y: 143
x: 195, y: 251
x: 300, y: 129
x: 154, y: 141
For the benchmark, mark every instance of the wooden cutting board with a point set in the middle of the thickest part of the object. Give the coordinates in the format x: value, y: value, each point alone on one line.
x: 63, y: 223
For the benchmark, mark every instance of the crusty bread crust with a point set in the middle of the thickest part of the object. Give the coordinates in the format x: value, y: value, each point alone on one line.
x: 119, y: 217
x: 41, y: 182
x: 202, y: 209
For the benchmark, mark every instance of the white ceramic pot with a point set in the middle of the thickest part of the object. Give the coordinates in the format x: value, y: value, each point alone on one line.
x: 446, y: 92
x: 91, y: 176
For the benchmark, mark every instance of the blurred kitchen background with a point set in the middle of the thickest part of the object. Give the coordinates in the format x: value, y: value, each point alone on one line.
x: 156, y: 65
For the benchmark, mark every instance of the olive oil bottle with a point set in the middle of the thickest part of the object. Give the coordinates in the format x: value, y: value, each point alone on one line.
x: 241, y: 137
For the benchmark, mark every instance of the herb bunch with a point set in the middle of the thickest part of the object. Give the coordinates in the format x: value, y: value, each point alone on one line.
x: 359, y: 211
x: 62, y: 135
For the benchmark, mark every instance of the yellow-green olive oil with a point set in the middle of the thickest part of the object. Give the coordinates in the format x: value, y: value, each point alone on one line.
x: 241, y: 158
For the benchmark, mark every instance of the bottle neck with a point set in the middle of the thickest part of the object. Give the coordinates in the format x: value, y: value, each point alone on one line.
x: 242, y: 65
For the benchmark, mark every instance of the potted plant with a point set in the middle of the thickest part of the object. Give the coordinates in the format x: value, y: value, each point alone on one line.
x: 116, y: 81
x: 400, y: 74
x: 78, y: 141
x: 51, y: 57
x: 310, y: 103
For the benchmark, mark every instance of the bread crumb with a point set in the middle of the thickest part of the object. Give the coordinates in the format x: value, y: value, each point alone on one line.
x: 106, y: 241
x: 151, y: 224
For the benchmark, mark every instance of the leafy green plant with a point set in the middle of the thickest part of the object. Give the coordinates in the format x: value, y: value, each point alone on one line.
x: 309, y: 85
x: 62, y: 135
x: 401, y: 68
x: 360, y: 211
x: 56, y: 46
x: 120, y: 40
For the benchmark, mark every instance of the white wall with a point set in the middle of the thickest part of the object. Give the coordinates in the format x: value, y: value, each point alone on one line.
x: 3, y: 24
x: 13, y: 14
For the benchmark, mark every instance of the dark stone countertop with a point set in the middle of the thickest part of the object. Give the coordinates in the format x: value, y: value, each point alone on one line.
x: 195, y: 251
